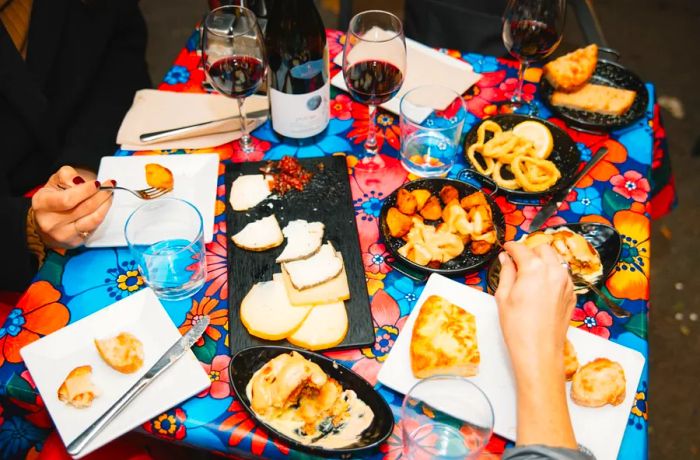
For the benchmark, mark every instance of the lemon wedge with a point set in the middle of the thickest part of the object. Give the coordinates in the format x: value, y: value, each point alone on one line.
x: 539, y: 134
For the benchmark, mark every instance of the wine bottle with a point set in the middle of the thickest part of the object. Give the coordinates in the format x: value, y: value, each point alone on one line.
x: 298, y: 58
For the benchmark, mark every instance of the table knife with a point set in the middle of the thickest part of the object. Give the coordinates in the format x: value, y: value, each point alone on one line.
x: 175, y: 352
x: 558, y: 198
x: 173, y: 132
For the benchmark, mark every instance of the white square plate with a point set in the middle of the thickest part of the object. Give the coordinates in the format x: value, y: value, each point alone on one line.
x: 195, y: 181
x: 599, y: 429
x: 51, y: 358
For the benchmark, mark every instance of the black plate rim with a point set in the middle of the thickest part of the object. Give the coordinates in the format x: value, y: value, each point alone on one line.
x: 563, y: 182
x: 297, y: 445
x: 573, y: 225
x: 547, y: 89
x: 498, y: 215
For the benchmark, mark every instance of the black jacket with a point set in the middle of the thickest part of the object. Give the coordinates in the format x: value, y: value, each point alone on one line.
x: 63, y: 105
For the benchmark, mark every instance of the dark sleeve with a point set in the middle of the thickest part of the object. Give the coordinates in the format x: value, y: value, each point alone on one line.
x: 537, y: 452
x: 122, y: 71
x: 18, y: 264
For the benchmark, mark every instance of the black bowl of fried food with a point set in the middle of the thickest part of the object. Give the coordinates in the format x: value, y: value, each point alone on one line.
x: 501, y: 152
x: 310, y: 401
x: 440, y: 226
x: 591, y: 249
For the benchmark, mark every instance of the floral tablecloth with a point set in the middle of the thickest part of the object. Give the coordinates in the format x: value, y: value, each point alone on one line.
x: 632, y: 184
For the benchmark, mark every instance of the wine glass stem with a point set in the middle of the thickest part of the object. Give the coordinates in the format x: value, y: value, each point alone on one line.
x: 371, y: 142
x: 518, y: 95
x: 245, y: 141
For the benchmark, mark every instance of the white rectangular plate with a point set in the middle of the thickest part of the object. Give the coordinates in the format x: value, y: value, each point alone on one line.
x: 195, y: 181
x: 51, y: 358
x: 599, y: 429
x: 424, y: 66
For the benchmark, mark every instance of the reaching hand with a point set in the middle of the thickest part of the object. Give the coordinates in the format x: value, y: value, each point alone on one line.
x: 68, y: 208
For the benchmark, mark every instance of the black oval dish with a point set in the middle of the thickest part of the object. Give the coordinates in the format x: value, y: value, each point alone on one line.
x: 565, y: 155
x: 247, y: 361
x: 609, y: 74
x: 604, y: 238
x: 463, y: 264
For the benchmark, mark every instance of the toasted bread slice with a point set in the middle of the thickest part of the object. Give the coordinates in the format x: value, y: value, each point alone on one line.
x: 267, y: 313
x: 598, y: 383
x: 317, y: 269
x: 261, y: 235
x: 325, y: 327
x: 596, y: 98
x: 248, y: 191
x: 77, y: 389
x: 123, y: 353
x: 303, y: 240
x: 570, y: 360
x: 572, y: 70
x: 444, y: 340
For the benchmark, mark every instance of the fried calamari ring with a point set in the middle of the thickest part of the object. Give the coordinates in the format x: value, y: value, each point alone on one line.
x: 511, y: 184
x: 489, y: 162
x: 534, y: 174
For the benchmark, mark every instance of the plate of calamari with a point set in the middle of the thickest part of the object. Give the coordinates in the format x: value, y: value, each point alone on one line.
x: 526, y: 157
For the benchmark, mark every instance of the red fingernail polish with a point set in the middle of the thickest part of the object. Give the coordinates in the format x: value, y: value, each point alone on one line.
x: 97, y: 184
x: 77, y: 180
x: 114, y: 183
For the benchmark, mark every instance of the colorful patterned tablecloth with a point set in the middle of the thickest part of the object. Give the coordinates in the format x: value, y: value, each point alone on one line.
x: 632, y: 184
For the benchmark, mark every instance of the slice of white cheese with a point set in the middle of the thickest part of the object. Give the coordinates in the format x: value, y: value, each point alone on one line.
x: 267, y: 313
x: 325, y: 327
x: 317, y: 269
x: 260, y: 235
x: 247, y: 191
x: 334, y: 290
x: 303, y: 240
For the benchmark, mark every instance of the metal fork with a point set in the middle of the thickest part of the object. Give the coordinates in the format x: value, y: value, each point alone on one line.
x: 150, y: 193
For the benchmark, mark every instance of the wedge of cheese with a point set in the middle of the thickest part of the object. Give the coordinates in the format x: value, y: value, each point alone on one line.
x: 596, y: 98
x: 77, y: 389
x: 260, y: 235
x: 267, y: 313
x: 325, y: 327
x: 334, y: 290
x: 317, y: 269
x: 248, y: 191
x: 303, y: 240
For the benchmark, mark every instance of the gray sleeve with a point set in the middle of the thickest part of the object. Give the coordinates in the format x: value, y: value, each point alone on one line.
x: 536, y: 452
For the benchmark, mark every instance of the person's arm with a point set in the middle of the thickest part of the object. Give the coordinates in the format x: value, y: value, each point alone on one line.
x: 535, y: 297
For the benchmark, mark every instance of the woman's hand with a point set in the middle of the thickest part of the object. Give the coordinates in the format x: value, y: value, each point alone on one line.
x: 535, y: 299
x: 69, y: 207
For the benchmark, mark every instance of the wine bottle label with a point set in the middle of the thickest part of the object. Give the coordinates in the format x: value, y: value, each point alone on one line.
x: 300, y: 115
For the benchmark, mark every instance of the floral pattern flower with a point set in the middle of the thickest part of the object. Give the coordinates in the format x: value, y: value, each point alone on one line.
x: 403, y: 290
x: 205, y: 307
x: 217, y: 265
x: 630, y: 277
x: 17, y: 436
x: 631, y: 184
x: 324, y: 144
x: 481, y: 97
x: 168, y: 425
x: 375, y: 259
x: 341, y: 107
x: 387, y: 127
x: 369, y: 205
x: 513, y: 216
x: 218, y: 375
x: 640, y: 408
x: 587, y: 201
x: 480, y: 63
x: 241, y: 426
x: 387, y: 319
x: 37, y: 313
x: 592, y: 319
x: 130, y: 281
x: 258, y: 153
x: 336, y: 42
x: 177, y: 74
x: 510, y: 85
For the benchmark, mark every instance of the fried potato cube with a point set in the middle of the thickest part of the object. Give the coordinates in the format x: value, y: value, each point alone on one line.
x: 421, y: 196
x: 398, y: 222
x: 480, y: 247
x: 432, y: 209
x: 448, y: 193
x: 475, y: 199
x: 406, y: 202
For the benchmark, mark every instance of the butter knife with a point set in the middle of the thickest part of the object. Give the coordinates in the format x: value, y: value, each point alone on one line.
x: 175, y: 352
x: 558, y: 198
x: 183, y: 130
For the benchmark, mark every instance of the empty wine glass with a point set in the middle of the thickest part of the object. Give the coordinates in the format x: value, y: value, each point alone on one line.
x: 234, y: 57
x: 532, y: 30
x: 374, y: 66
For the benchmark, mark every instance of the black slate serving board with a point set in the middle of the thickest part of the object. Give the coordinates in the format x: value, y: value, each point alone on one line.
x: 326, y: 198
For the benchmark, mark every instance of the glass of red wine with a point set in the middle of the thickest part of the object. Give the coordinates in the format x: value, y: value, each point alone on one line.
x: 374, y: 66
x: 234, y: 58
x: 532, y: 30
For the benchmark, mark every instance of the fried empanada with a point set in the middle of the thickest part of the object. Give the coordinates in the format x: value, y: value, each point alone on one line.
x: 598, y: 383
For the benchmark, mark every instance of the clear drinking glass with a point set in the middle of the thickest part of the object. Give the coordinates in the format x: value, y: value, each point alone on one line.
x: 532, y: 30
x: 234, y: 58
x: 445, y: 417
x: 374, y: 67
x: 432, y: 118
x: 165, y: 237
